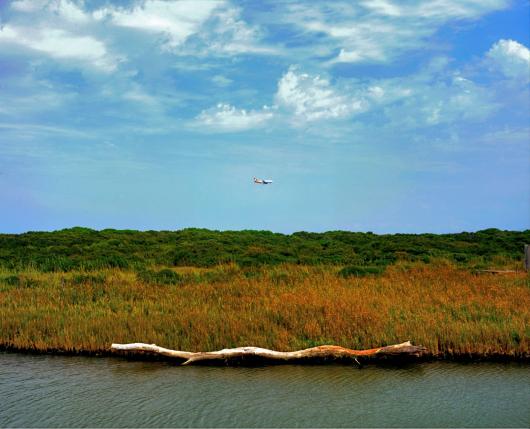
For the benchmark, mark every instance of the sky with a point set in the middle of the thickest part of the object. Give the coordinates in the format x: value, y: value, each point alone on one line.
x: 369, y: 115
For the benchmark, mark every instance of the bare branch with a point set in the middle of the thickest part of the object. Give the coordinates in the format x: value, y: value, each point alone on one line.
x: 242, y: 354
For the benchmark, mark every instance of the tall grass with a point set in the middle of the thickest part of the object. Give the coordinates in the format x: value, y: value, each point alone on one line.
x: 449, y: 310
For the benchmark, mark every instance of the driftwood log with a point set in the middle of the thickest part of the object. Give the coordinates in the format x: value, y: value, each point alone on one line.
x: 498, y: 271
x: 246, y: 355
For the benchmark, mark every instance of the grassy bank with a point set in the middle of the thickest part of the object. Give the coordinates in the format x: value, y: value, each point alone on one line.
x: 450, y: 310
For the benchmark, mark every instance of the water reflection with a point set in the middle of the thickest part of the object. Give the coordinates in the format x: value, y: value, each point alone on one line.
x: 50, y: 391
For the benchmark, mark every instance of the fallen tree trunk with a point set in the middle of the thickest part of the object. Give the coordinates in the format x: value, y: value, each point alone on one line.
x: 256, y: 354
x: 498, y: 271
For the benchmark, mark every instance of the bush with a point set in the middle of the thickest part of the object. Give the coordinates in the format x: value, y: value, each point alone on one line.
x: 84, y: 249
x: 357, y: 271
x: 162, y: 277
x: 459, y: 257
x: 29, y: 282
x: 56, y: 264
x: 279, y: 277
x: 12, y: 280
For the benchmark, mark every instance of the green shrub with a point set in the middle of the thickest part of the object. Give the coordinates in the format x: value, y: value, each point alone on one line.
x: 251, y: 273
x: 358, y: 271
x: 56, y: 264
x: 279, y: 277
x: 12, y: 280
x: 29, y: 282
x: 459, y: 257
x: 21, y: 281
x: 85, y: 249
x: 162, y: 277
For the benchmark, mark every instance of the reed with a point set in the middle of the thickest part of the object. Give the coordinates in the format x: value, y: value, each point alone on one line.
x: 451, y: 311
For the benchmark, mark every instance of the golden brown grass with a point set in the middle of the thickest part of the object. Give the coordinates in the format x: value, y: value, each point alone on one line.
x: 450, y: 311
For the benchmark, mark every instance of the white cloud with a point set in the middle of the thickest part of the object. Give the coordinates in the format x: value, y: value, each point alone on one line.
x: 227, y: 118
x: 221, y: 80
x: 208, y: 27
x: 436, y: 101
x: 176, y: 20
x: 23, y: 95
x: 313, y: 98
x: 28, y: 5
x: 227, y: 34
x: 378, y: 30
x: 60, y: 44
x: 70, y: 11
x: 434, y: 9
x: 364, y: 31
x: 61, y: 29
x: 138, y: 95
x: 436, y: 96
x: 32, y: 130
x: 512, y: 58
x: 383, y: 7
x: 65, y: 30
x: 65, y: 9
x: 507, y: 136
x: 425, y: 99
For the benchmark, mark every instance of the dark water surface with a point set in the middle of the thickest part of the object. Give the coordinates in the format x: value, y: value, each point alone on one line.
x: 48, y: 391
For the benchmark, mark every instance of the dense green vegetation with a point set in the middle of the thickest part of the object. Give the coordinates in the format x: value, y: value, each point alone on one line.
x: 354, y: 270
x: 83, y: 248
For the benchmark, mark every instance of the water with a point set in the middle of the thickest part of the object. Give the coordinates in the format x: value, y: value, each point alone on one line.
x: 48, y: 391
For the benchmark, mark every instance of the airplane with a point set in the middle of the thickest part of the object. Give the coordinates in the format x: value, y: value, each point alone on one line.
x: 262, y: 181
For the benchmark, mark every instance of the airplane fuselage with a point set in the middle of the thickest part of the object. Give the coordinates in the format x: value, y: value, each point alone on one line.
x: 262, y: 181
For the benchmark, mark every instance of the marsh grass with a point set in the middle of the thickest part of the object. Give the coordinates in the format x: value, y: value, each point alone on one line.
x: 285, y: 307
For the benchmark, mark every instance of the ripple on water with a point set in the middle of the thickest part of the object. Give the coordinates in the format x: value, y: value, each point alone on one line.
x: 78, y: 391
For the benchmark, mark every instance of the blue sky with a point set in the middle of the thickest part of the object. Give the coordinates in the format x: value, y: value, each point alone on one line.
x: 373, y: 115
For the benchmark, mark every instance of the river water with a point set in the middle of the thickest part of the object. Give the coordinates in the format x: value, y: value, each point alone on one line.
x: 52, y: 391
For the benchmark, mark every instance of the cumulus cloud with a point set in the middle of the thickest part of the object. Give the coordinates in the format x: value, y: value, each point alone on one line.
x: 420, y: 100
x: 511, y: 58
x: 364, y: 31
x: 312, y: 98
x: 227, y: 118
x: 300, y: 98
